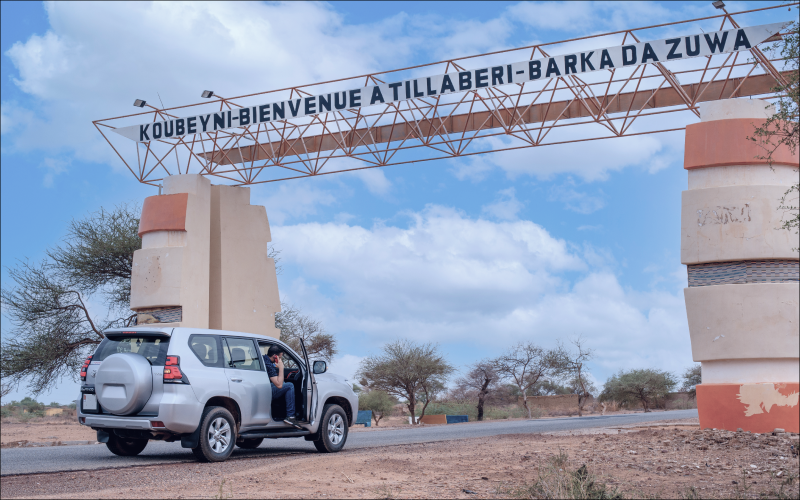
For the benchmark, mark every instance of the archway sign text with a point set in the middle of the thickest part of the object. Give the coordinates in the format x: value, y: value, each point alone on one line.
x: 669, y: 49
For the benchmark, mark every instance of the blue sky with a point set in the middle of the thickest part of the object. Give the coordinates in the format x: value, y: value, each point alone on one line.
x: 476, y: 255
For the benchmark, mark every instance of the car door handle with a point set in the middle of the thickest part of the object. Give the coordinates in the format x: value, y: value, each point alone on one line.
x: 236, y: 380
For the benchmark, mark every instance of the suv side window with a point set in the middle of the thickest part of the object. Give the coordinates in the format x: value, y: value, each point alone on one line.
x: 288, y: 361
x: 244, y: 352
x: 207, y: 349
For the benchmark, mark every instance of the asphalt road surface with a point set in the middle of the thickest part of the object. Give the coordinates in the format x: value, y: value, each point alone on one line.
x: 87, y: 457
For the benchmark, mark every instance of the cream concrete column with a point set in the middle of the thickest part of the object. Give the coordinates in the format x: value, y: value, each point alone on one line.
x: 244, y: 286
x: 742, y: 299
x: 170, y: 279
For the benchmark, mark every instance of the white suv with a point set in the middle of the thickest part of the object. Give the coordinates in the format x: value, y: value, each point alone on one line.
x: 209, y: 390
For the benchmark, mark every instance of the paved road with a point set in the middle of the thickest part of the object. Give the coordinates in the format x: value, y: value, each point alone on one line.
x: 64, y: 458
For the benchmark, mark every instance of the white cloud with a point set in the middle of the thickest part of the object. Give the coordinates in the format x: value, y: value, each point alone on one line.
x: 580, y: 202
x: 590, y: 161
x: 475, y: 169
x: 346, y: 365
x: 97, y: 58
x: 464, y: 282
x: 293, y: 200
x: 374, y: 180
x: 505, y: 207
x: 53, y: 167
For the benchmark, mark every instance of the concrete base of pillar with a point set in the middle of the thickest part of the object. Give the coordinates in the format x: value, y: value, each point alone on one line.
x: 750, y: 407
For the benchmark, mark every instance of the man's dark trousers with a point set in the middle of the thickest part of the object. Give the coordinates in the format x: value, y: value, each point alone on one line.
x: 286, y: 391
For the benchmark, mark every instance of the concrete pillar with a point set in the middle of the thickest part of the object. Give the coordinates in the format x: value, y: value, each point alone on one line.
x: 203, y: 261
x: 742, y: 299
x: 170, y: 279
x: 244, y: 286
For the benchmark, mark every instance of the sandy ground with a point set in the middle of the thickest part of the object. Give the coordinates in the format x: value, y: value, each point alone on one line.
x: 47, y: 429
x: 661, y: 461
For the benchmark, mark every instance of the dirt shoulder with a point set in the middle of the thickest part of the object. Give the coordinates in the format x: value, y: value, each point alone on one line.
x: 14, y: 434
x: 659, y: 461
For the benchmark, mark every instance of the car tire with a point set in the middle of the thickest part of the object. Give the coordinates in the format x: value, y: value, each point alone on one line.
x: 250, y: 444
x: 217, y: 435
x: 125, y: 447
x: 332, y: 430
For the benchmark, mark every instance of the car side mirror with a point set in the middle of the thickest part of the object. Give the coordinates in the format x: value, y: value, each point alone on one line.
x: 320, y: 367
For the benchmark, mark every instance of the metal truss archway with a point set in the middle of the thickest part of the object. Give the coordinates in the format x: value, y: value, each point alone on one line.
x: 613, y: 103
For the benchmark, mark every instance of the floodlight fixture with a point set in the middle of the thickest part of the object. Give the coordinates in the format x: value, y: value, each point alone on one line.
x: 719, y: 4
x: 207, y: 94
x: 139, y: 103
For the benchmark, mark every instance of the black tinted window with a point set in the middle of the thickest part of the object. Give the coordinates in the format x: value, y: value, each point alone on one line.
x: 153, y: 349
x: 206, y: 348
x: 241, y: 354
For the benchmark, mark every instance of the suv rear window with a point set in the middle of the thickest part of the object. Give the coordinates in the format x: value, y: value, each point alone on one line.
x: 206, y: 348
x: 154, y: 349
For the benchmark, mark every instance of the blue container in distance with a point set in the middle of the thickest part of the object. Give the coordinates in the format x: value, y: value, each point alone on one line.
x: 365, y: 417
x: 456, y: 419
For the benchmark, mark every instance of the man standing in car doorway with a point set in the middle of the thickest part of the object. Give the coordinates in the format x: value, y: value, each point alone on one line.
x: 273, y: 360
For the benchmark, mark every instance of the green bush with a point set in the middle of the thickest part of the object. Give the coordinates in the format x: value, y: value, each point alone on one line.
x: 5, y: 412
x: 380, y: 403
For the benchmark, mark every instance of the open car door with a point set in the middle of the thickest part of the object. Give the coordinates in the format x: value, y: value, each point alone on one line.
x: 310, y: 387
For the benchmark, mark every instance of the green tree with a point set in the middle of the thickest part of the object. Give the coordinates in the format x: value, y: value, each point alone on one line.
x: 692, y: 377
x: 547, y: 387
x: 380, y: 403
x: 572, y: 364
x: 481, y: 379
x: 645, y: 386
x: 407, y: 370
x: 294, y: 325
x: 524, y: 365
x: 782, y: 129
x: 53, y: 329
x: 30, y: 404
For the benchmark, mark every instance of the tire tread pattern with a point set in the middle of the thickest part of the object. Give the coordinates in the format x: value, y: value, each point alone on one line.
x: 322, y: 443
x: 203, y: 452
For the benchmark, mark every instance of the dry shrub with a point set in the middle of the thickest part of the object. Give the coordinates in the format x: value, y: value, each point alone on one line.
x: 556, y: 480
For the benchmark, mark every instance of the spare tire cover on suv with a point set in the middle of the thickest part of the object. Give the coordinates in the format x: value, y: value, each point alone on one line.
x: 124, y: 383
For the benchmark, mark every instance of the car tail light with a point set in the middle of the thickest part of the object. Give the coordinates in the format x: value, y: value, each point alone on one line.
x: 85, y: 367
x: 172, y: 371
x: 157, y: 423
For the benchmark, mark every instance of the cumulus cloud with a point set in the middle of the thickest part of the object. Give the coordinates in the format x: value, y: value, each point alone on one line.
x: 346, y: 365
x: 97, y: 58
x: 53, y: 167
x: 589, y: 161
x: 505, y: 207
x: 293, y: 200
x: 374, y: 180
x: 460, y: 281
x: 577, y: 201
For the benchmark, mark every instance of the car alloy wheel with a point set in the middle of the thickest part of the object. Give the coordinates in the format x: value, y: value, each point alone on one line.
x: 219, y: 435
x: 335, y: 429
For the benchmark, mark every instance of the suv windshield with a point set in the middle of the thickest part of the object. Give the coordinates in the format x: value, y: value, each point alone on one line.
x: 154, y: 349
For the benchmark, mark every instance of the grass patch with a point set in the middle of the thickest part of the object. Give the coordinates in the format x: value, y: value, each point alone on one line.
x: 555, y: 480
